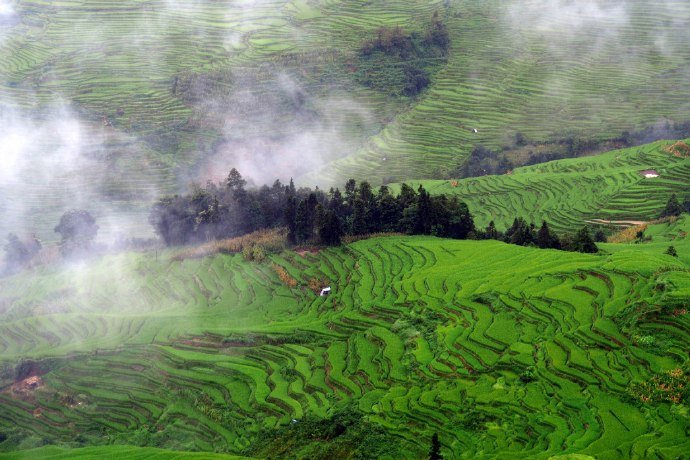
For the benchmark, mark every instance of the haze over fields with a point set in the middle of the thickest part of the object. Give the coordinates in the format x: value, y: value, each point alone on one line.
x: 116, y: 104
x: 341, y: 229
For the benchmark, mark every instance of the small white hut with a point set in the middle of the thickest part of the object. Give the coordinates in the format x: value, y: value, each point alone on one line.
x: 649, y: 173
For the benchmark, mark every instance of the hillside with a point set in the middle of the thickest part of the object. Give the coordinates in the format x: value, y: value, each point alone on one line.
x: 108, y: 105
x: 500, y: 349
x: 568, y: 193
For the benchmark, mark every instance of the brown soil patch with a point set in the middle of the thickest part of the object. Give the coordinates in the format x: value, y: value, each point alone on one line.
x: 679, y: 149
x: 304, y: 251
x: 25, y: 389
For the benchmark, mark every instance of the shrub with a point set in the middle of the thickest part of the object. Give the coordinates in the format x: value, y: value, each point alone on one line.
x: 284, y: 276
x: 671, y: 251
x: 269, y: 240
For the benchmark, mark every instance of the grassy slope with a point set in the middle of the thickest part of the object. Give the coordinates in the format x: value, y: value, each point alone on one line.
x: 119, y: 60
x: 112, y: 452
x: 541, y: 81
x: 566, y: 193
x: 423, y: 334
x: 663, y: 235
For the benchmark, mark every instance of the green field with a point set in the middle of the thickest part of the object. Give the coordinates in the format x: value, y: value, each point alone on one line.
x: 421, y: 334
x: 169, y: 92
x: 503, y: 351
x: 568, y: 193
x: 113, y: 452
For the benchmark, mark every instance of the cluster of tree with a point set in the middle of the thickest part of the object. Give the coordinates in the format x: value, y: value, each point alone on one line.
x: 398, y: 61
x: 77, y: 229
x: 19, y: 252
x: 524, y: 234
x: 674, y: 208
x: 311, y: 216
x: 483, y: 162
x: 315, y: 217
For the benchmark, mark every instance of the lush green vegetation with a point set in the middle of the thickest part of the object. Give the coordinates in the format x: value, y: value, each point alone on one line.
x: 166, y: 90
x: 568, y: 193
x: 112, y: 452
x: 500, y: 349
x: 424, y: 346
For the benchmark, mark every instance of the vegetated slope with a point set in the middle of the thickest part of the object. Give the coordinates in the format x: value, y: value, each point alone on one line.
x: 113, y: 453
x: 502, y: 350
x: 548, y: 71
x: 172, y: 91
x: 661, y: 236
x: 568, y: 193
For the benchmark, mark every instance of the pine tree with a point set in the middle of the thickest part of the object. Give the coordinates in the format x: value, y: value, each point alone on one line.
x: 291, y: 218
x: 330, y: 229
x: 600, y: 236
x: 422, y: 224
x: 545, y: 239
x: 583, y: 241
x: 235, y: 181
x: 435, y: 450
x: 520, y: 233
x: 360, y: 218
x: 673, y: 207
x: 491, y: 232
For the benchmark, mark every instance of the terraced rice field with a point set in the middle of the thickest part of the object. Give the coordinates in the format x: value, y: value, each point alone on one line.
x: 568, y: 193
x: 421, y: 334
x: 186, y: 90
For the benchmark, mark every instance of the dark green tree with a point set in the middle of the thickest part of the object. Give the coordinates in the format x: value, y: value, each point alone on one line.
x: 673, y: 207
x: 330, y: 228
x: 520, y: 233
x: 546, y: 239
x: 303, y: 224
x: 423, y: 218
x: 336, y: 203
x: 491, y: 232
x: 360, y: 218
x: 671, y: 251
x: 350, y: 192
x: 18, y: 253
x: 435, y: 450
x: 365, y: 193
x: 600, y: 236
x: 407, y: 196
x: 583, y: 242
x: 78, y: 229
x: 235, y: 182
x: 290, y: 218
x: 460, y: 222
x: 388, y: 212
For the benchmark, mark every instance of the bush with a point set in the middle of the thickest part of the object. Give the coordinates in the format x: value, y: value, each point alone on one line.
x: 269, y: 240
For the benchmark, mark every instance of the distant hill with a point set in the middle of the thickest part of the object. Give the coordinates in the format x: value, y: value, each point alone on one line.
x: 110, y: 104
x: 569, y: 193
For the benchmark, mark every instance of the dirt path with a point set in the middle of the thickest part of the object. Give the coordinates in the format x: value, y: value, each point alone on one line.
x: 617, y: 222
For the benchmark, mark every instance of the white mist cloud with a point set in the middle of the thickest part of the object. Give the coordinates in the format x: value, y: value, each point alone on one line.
x: 569, y: 27
x: 6, y: 8
x: 54, y: 162
x: 568, y: 17
x: 300, y: 131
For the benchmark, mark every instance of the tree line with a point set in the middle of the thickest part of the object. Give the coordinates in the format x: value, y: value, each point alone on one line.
x: 230, y: 209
